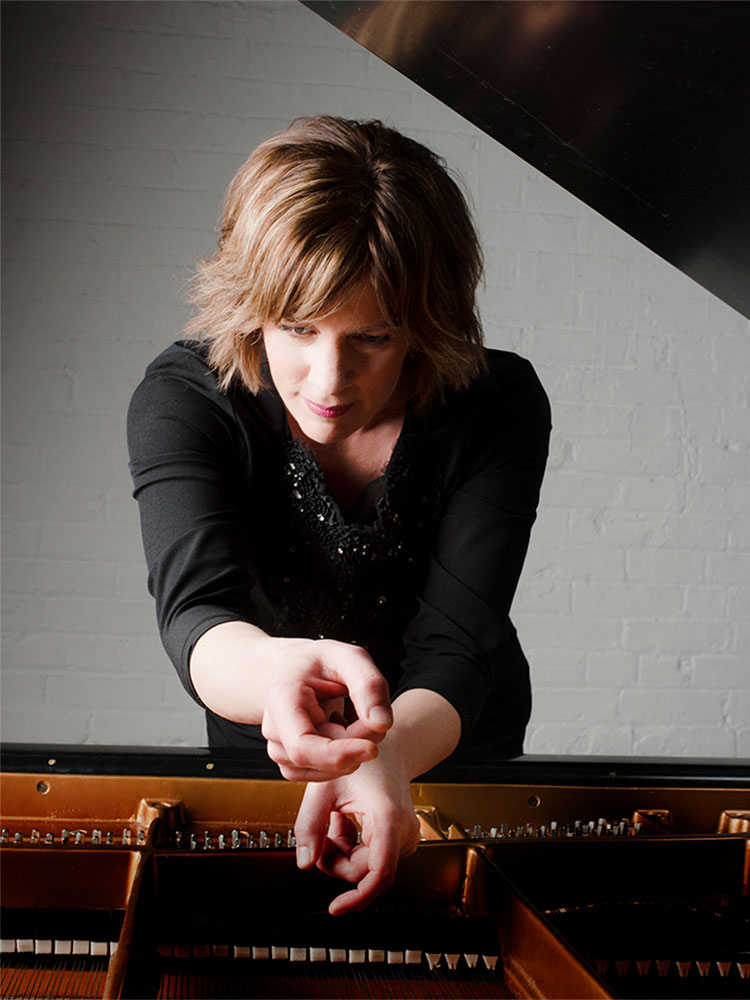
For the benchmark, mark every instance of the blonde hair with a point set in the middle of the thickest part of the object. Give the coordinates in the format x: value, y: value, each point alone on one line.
x: 317, y: 209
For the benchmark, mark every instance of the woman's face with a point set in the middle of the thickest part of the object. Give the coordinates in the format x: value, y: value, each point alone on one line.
x: 340, y: 374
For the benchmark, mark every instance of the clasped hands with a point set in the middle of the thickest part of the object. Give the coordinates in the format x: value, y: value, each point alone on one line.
x: 356, y: 819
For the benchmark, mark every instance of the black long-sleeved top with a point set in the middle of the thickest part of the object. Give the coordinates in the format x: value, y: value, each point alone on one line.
x: 237, y: 525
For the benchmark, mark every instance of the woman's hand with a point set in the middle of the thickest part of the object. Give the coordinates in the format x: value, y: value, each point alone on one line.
x: 377, y: 796
x: 291, y: 686
x: 305, y: 732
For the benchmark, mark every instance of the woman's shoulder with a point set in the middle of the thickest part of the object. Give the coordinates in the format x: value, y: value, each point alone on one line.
x: 507, y: 385
x: 183, y: 359
x: 181, y: 383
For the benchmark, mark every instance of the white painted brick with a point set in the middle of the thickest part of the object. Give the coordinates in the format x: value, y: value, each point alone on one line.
x: 649, y: 707
x: 61, y: 576
x: 556, y: 667
x: 700, y: 708
x: 568, y: 489
x: 708, y: 601
x: 652, y: 493
x: 667, y: 670
x: 148, y: 728
x: 726, y: 672
x: 108, y: 541
x: 581, y: 706
x: 23, y: 465
x: 90, y: 653
x: 666, y: 565
x: 586, y: 562
x: 643, y: 635
x: 654, y: 421
x: 558, y: 739
x: 692, y: 741
x: 23, y: 688
x: 724, y: 461
x: 44, y: 725
x: 612, y: 669
x: 729, y: 567
x: 577, y: 420
x: 717, y: 498
x: 738, y: 603
x: 139, y: 652
x: 23, y: 614
x: 739, y: 534
x: 627, y: 599
x: 93, y: 691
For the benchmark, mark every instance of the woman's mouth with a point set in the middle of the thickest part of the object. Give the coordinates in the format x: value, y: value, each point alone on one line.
x: 326, y: 411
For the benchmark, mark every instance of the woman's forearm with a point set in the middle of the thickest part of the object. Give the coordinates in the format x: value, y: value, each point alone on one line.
x: 426, y: 729
x: 232, y: 669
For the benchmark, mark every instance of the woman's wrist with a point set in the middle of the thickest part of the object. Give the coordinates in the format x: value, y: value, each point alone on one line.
x: 426, y: 730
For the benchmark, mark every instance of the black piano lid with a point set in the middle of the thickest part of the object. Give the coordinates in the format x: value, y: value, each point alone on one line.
x: 640, y: 109
x: 203, y: 762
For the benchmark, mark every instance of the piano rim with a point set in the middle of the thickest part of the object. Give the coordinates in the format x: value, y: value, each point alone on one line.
x: 205, y: 762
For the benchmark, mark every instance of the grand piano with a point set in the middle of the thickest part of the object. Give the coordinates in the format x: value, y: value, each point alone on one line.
x: 170, y: 873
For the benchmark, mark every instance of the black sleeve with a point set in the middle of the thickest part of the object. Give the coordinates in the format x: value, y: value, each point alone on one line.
x: 185, y: 449
x: 461, y: 642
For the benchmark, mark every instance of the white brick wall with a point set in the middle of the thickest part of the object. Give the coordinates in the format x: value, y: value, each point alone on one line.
x: 125, y: 122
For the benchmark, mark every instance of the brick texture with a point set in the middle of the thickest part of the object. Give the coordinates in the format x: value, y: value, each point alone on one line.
x: 124, y: 122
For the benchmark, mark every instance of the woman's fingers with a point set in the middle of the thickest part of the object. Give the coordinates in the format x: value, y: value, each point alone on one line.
x: 320, y: 758
x: 301, y: 739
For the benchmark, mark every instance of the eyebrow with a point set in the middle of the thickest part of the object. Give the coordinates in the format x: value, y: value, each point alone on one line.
x: 372, y: 329
x: 349, y: 333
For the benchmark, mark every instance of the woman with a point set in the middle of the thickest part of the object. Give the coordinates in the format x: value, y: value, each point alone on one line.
x: 337, y: 483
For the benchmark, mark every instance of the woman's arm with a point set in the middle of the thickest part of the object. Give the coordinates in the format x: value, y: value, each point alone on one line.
x: 198, y: 475
x: 426, y: 729
x: 290, y: 685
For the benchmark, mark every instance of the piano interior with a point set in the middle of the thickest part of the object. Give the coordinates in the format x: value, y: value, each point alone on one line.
x: 531, y: 882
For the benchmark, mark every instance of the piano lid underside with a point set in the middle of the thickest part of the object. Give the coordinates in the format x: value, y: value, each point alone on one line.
x: 639, y: 109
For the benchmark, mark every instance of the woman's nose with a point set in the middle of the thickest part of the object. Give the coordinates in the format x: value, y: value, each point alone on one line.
x: 331, y: 368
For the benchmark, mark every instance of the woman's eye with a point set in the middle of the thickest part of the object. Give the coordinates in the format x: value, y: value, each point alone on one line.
x: 375, y: 338
x: 295, y: 331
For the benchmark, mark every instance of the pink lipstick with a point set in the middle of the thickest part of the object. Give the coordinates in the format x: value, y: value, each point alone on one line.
x: 327, y: 411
